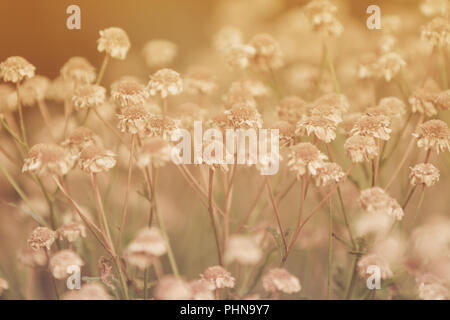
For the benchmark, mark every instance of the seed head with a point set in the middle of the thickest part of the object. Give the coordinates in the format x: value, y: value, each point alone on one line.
x: 59, y: 89
x: 159, y: 53
x: 361, y: 148
x: 148, y: 245
x: 61, y: 262
x: 94, y: 159
x: 15, y: 69
x: 305, y: 158
x: 433, y: 134
x: 41, y: 237
x: 424, y: 173
x: 48, y: 159
x: 78, y: 70
x: 279, y: 279
x: 218, y: 277
x: 391, y: 107
x: 165, y: 82
x: 376, y: 201
x: 114, y: 42
x: 88, y: 96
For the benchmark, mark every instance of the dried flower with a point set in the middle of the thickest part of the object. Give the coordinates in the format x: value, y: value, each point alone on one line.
x: 329, y: 173
x: 160, y: 126
x: 79, y: 139
x: 134, y: 120
x: 442, y: 100
x: 34, y: 90
x: 239, y: 56
x: 424, y: 173
x: 321, y: 15
x: 376, y: 201
x: 242, y: 117
x: 304, y: 157
x: 128, y: 92
x: 88, y: 96
x: 323, y: 129
x: 243, y: 249
x: 41, y: 237
x: 45, y: 159
x: 94, y: 159
x: 165, y: 82
x: 172, y: 288
x: 291, y: 109
x: 88, y: 291
x: 279, y: 279
x: 389, y: 65
x: 375, y: 126
x: 148, y: 245
x: 392, y: 107
x: 423, y: 99
x: 372, y: 259
x: 286, y: 132
x: 78, y: 69
x: 155, y: 151
x: 199, y: 81
x: 114, y: 42
x: 361, y: 148
x: 15, y: 69
x: 219, y: 277
x: 268, y: 55
x: 159, y: 53
x: 433, y: 134
x: 72, y: 231
x: 437, y: 32
x: 61, y: 262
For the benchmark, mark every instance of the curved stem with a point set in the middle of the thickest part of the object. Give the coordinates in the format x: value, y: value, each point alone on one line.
x: 211, y: 214
x: 276, y: 211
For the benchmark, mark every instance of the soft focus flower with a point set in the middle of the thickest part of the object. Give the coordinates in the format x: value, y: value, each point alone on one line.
x: 433, y: 134
x: 59, y: 89
x: 61, y: 262
x: 291, y: 109
x: 239, y: 56
x: 114, y: 42
x: 243, y: 249
x: 133, y: 120
x: 45, y: 159
x: 41, y: 237
x: 199, y: 81
x: 226, y: 37
x: 375, y: 126
x: 239, y: 95
x: 155, y: 151
x: 392, y: 107
x: 172, y: 288
x: 160, y: 126
x: 268, y: 55
x: 329, y: 173
x: 304, y: 157
x: 286, y: 132
x: 279, y: 279
x: 389, y: 65
x: 242, y: 117
x: 72, y: 231
x: 88, y: 291
x: 437, y: 32
x: 79, y: 139
x: 88, y: 96
x: 442, y: 100
x: 148, y: 245
x: 423, y: 100
x: 34, y: 90
x: 128, y: 92
x: 165, y: 82
x: 94, y: 159
x: 434, y: 7
x: 376, y: 201
x: 159, y: 53
x: 322, y: 128
x: 424, y: 173
x: 219, y: 277
x: 201, y: 290
x: 15, y: 69
x: 361, y: 148
x: 321, y: 15
x: 78, y: 69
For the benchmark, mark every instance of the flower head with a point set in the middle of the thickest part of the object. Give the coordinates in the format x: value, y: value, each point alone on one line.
x: 88, y: 96
x: 423, y: 100
x: 94, y: 159
x: 268, y: 54
x: 160, y: 126
x: 79, y: 139
x: 201, y: 290
x: 291, y: 109
x: 134, y: 120
x: 279, y: 279
x: 79, y: 70
x: 41, y: 237
x: 433, y: 134
x: 159, y: 53
x: 148, y: 245
x: 239, y: 56
x: 304, y: 157
x: 323, y: 129
x: 361, y: 148
x: 15, y: 69
x: 375, y: 126
x: 286, y: 132
x: 128, y: 92
x: 61, y: 262
x: 219, y: 277
x: 114, y: 42
x: 48, y: 159
x: 329, y: 173
x: 71, y: 231
x: 34, y: 90
x: 165, y: 82
x: 442, y: 100
x: 321, y: 15
x: 242, y: 117
x: 227, y: 37
x: 389, y: 65
x: 376, y: 201
x: 424, y: 173
x: 437, y: 32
